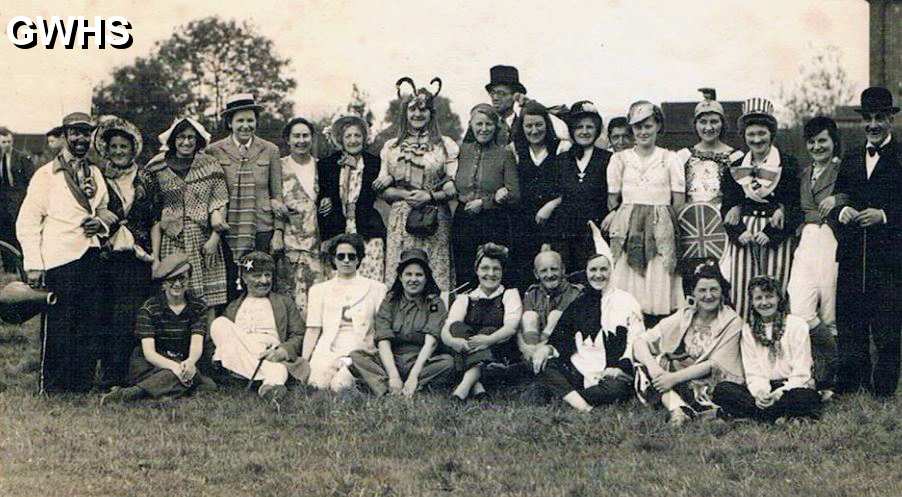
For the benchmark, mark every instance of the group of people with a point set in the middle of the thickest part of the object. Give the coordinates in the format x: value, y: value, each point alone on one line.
x: 525, y: 254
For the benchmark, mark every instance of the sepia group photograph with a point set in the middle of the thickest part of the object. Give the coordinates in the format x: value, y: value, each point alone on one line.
x: 451, y: 248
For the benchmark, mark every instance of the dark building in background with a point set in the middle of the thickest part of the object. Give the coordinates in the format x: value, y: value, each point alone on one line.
x: 886, y: 45
x: 679, y: 124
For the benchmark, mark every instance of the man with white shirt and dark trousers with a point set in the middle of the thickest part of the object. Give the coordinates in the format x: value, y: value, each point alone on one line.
x: 869, y: 213
x: 60, y: 225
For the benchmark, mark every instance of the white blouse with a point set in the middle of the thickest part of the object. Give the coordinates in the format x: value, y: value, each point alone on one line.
x: 649, y: 180
x: 792, y: 363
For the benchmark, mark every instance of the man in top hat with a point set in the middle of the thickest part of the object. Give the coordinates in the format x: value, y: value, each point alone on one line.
x: 60, y: 225
x: 253, y: 172
x: 259, y: 335
x: 509, y: 95
x: 16, y: 170
x: 869, y: 303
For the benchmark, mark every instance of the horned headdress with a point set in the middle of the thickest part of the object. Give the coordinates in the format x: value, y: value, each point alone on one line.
x: 423, y: 96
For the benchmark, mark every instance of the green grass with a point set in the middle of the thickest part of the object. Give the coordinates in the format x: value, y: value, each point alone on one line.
x: 229, y: 443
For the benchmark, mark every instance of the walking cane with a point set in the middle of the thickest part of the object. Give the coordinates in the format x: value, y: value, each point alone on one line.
x: 250, y: 382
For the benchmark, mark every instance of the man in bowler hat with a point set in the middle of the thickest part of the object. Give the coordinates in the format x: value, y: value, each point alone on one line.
x: 869, y: 215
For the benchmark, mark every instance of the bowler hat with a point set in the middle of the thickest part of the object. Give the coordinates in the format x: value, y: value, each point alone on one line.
x: 876, y: 99
x: 172, y: 265
x: 237, y: 102
x: 78, y: 120
x: 505, y: 75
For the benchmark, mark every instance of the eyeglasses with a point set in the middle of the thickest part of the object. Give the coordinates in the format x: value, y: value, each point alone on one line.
x: 346, y: 256
x: 181, y: 278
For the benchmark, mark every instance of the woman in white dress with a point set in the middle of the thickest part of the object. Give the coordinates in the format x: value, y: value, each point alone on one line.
x: 646, y: 185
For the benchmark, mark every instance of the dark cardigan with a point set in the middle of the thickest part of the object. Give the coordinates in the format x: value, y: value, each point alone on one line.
x: 581, y: 201
x: 369, y: 222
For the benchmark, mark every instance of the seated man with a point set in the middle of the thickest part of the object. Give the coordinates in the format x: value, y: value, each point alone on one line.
x: 260, y: 333
x: 545, y: 301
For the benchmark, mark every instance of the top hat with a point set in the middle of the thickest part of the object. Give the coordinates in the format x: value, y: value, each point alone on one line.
x: 505, y: 75
x: 239, y: 101
x: 78, y: 120
x: 876, y: 99
x: 757, y: 107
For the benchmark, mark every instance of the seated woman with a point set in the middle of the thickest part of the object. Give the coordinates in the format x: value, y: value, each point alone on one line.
x: 408, y: 326
x: 587, y: 359
x: 171, y: 327
x: 481, y: 322
x: 340, y: 314
x: 680, y: 360
x: 776, y: 356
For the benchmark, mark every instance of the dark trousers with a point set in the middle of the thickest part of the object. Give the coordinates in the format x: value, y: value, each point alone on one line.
x: 562, y: 378
x: 736, y: 400
x: 823, y: 352
x: 262, y: 242
x: 126, y: 285
x: 855, y: 330
x: 8, y: 235
x: 153, y: 381
x: 68, y: 350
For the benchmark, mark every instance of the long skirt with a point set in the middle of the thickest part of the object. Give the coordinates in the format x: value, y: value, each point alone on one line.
x: 561, y: 377
x: 239, y: 352
x: 748, y: 261
x: 643, y: 243
x: 207, y: 282
x: 438, y: 246
x: 469, y: 232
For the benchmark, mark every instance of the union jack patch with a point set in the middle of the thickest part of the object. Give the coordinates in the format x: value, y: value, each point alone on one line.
x: 701, y: 231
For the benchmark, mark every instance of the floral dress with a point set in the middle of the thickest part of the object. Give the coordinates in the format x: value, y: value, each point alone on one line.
x: 185, y: 221
x: 417, y: 163
x: 301, y: 265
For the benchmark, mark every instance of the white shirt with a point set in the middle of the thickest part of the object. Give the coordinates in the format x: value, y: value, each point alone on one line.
x: 49, y: 224
x: 247, y: 145
x: 255, y: 316
x: 125, y: 187
x: 792, y: 364
x: 871, y: 162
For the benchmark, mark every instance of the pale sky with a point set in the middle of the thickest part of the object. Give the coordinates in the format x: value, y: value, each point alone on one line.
x: 609, y: 51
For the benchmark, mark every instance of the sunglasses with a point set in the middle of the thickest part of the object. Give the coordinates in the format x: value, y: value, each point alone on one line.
x: 182, y: 278
x: 346, y: 256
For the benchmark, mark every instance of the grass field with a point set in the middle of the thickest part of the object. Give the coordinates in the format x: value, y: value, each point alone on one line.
x: 228, y: 443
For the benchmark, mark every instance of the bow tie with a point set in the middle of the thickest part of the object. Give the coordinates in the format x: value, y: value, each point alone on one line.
x: 872, y: 150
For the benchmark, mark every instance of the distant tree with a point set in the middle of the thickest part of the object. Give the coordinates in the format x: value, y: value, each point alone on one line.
x: 822, y: 85
x: 193, y: 72
x: 448, y: 122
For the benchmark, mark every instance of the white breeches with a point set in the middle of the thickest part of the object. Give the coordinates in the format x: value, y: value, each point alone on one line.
x: 240, y: 352
x: 812, y: 283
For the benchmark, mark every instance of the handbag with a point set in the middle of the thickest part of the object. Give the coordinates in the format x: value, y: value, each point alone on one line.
x: 422, y: 221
